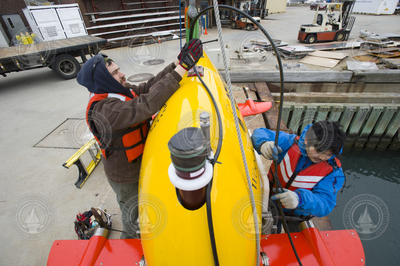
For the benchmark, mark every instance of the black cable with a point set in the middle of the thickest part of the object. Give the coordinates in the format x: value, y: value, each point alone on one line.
x: 277, y: 54
x: 214, y: 160
x: 220, y: 129
x: 210, y: 225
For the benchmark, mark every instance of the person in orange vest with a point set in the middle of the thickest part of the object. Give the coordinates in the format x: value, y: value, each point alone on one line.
x: 308, y: 168
x: 119, y: 114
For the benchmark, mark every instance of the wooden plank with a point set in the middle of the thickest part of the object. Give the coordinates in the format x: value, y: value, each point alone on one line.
x: 392, y: 128
x: 381, y: 126
x: 392, y: 63
x: 322, y: 113
x: 382, y: 76
x: 335, y: 113
x: 319, y: 61
x: 333, y: 55
x: 395, y: 145
x: 340, y: 98
x: 358, y: 121
x: 346, y: 117
x: 294, y: 76
x: 369, y: 126
x: 334, y: 45
x: 154, y: 34
x: 134, y: 22
x: 135, y: 16
x: 128, y: 10
x: 366, y: 58
x: 135, y: 29
x: 296, y: 119
x: 143, y: 3
x: 309, y: 116
x: 271, y: 116
x: 286, y: 112
x: 378, y: 76
x: 355, y: 126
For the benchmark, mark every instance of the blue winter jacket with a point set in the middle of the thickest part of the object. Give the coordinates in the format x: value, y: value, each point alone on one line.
x: 319, y: 201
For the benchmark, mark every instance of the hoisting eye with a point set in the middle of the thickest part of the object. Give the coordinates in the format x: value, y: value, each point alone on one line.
x: 190, y: 172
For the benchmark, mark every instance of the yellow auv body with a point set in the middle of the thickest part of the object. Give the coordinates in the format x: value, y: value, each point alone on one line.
x: 173, y: 235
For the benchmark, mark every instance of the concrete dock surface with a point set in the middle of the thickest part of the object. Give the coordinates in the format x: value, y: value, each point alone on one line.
x: 41, y: 116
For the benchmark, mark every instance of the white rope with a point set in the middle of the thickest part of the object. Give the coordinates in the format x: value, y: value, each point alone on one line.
x: 228, y: 81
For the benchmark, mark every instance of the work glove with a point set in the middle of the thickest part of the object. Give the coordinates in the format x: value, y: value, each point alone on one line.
x: 190, y: 54
x: 270, y: 151
x: 288, y: 198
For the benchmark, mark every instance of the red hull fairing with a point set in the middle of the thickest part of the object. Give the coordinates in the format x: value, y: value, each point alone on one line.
x: 313, y: 247
x: 96, y: 251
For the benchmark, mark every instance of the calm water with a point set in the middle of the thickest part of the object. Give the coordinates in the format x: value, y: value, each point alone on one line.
x: 370, y: 203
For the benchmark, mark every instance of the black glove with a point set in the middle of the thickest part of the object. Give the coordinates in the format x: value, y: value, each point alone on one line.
x: 190, y: 54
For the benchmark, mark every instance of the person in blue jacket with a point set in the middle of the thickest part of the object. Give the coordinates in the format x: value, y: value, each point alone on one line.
x: 308, y: 169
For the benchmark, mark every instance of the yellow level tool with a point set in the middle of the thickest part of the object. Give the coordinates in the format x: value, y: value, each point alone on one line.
x: 84, y: 172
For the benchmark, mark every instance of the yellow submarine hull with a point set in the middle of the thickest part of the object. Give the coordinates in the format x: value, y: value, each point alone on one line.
x: 173, y: 235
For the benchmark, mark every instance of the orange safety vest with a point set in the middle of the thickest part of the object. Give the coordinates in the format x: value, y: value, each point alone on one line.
x: 133, y: 138
x: 306, y: 178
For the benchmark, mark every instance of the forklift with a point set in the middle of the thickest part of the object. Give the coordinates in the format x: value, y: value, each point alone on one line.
x: 240, y: 22
x: 332, y: 24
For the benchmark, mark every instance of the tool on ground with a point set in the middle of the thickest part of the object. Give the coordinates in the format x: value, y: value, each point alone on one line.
x: 84, y: 172
x: 88, y: 222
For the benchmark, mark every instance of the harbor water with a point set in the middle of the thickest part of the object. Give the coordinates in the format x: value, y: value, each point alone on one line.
x: 370, y: 203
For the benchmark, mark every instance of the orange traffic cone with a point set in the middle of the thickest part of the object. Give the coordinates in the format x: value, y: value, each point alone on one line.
x: 205, y: 31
